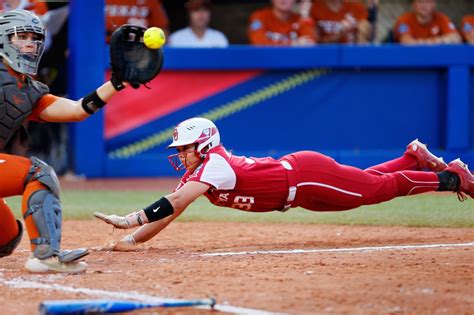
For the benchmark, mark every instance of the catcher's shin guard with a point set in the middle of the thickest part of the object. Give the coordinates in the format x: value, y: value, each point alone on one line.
x: 45, y: 209
x: 7, y: 249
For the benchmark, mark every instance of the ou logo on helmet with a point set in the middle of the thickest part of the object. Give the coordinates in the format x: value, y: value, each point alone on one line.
x: 175, y: 134
x: 205, y: 134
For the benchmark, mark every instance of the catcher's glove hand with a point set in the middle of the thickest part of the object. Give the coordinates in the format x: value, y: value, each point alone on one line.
x: 130, y: 60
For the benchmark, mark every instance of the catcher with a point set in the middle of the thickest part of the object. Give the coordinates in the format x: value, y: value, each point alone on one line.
x: 22, y: 98
x: 303, y: 179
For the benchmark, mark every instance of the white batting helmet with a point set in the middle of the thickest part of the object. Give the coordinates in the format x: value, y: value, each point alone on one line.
x: 199, y: 131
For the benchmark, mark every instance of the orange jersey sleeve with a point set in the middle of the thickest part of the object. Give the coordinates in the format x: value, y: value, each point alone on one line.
x: 467, y: 25
x: 41, y: 105
x: 444, y: 23
x: 330, y: 22
x: 39, y: 7
x: 408, y: 24
x: 257, y: 28
x: 266, y: 29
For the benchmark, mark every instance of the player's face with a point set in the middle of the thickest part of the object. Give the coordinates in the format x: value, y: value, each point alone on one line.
x: 424, y: 8
x: 27, y: 43
x: 200, y: 18
x: 283, y: 5
x: 188, y: 156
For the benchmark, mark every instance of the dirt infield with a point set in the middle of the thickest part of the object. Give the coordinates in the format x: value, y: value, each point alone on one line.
x: 391, y: 280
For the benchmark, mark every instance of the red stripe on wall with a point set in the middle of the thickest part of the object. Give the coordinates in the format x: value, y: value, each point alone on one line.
x: 170, y: 91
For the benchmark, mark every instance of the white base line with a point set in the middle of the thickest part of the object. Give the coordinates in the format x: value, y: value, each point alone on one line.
x: 339, y: 250
x: 25, y: 284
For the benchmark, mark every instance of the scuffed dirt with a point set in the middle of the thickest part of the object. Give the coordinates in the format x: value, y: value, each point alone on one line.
x: 414, y: 281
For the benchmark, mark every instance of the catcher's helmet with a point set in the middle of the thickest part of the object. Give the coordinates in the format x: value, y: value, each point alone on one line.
x: 21, y: 21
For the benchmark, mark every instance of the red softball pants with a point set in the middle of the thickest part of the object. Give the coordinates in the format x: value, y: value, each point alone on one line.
x: 325, y: 185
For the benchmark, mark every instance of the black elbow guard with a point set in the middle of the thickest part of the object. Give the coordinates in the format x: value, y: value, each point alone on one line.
x: 92, y: 103
x: 158, y: 210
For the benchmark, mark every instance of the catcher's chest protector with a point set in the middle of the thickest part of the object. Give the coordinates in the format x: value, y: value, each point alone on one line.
x: 16, y: 104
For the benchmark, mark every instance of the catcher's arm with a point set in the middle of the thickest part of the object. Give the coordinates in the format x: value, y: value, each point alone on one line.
x: 158, y: 214
x: 66, y: 110
x: 131, y: 63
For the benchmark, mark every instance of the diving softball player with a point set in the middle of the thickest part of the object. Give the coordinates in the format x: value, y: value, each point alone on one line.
x: 302, y: 179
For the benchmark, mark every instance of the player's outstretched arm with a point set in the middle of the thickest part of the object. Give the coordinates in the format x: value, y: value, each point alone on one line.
x: 66, y: 110
x: 131, y: 62
x: 159, y: 214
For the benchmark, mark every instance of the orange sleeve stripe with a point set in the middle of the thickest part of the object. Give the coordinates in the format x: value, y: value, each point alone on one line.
x: 43, y: 103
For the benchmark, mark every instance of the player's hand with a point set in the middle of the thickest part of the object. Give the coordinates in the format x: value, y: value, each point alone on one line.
x: 126, y: 244
x: 349, y: 23
x: 115, y: 220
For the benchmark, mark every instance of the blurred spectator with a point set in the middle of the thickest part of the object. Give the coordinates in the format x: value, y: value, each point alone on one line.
x: 38, y: 7
x: 424, y: 25
x: 198, y: 34
x: 341, y: 21
x: 467, y: 28
x: 146, y: 13
x: 279, y: 25
x: 372, y: 11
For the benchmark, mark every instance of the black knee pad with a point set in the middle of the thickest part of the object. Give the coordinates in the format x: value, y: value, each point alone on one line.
x: 7, y: 249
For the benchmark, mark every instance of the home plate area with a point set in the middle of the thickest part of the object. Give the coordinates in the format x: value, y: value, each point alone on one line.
x: 254, y: 268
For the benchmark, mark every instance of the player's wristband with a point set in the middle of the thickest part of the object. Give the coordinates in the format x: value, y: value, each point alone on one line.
x: 117, y: 83
x: 92, y: 103
x: 158, y: 210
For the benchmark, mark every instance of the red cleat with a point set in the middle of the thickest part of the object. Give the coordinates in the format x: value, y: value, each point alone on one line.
x: 426, y: 159
x: 466, y: 187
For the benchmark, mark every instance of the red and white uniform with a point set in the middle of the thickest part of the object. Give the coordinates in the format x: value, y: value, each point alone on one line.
x: 251, y: 184
x: 304, y: 179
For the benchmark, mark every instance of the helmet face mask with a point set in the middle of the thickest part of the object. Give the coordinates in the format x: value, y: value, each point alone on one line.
x: 185, y: 159
x: 15, y: 25
x: 201, y: 132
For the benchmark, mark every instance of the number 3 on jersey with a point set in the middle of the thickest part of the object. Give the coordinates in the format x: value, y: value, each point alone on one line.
x: 243, y: 203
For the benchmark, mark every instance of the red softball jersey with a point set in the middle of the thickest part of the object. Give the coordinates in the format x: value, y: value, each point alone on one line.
x: 244, y: 183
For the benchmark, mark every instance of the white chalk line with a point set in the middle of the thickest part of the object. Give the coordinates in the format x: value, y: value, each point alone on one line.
x: 19, y: 283
x: 26, y: 284
x: 339, y: 250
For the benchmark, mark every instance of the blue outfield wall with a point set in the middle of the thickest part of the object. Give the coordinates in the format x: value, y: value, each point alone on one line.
x: 359, y: 104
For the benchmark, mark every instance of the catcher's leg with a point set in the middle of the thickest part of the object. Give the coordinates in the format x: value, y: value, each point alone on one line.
x: 43, y: 217
x: 11, y: 230
x: 417, y: 157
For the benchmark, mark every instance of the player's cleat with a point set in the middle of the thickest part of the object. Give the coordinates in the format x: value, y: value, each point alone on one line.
x: 72, y: 254
x: 52, y: 264
x: 466, y: 186
x: 425, y: 159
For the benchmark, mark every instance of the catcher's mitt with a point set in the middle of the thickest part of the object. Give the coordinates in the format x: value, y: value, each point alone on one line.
x: 130, y: 60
